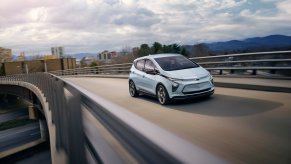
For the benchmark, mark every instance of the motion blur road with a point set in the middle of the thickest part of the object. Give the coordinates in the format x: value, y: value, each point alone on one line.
x: 237, y: 125
x: 14, y: 137
x: 12, y: 115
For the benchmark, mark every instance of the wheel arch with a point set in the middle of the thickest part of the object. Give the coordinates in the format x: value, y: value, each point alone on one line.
x: 159, y: 83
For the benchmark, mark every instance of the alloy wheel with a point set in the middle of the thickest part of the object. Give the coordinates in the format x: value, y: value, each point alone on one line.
x: 161, y: 95
x: 132, y: 89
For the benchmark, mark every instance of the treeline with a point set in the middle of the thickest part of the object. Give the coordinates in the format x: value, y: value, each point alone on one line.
x: 157, y: 48
x: 129, y: 54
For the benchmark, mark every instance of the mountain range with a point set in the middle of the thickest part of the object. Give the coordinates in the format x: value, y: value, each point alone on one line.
x: 256, y: 44
x: 279, y: 42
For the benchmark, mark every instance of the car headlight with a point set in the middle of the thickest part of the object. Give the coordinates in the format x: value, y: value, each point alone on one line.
x: 174, y: 82
x: 210, y: 78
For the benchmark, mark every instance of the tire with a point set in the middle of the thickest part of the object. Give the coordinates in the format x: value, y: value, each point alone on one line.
x: 162, y: 95
x: 132, y: 89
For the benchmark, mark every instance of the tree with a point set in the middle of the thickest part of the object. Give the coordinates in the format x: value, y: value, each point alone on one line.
x: 83, y: 62
x: 175, y: 48
x: 144, y: 50
x: 166, y: 48
x: 184, y: 52
x: 94, y: 64
x: 199, y: 50
x: 157, y: 48
x: 123, y: 59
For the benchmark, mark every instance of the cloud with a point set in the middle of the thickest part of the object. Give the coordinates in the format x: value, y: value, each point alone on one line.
x: 95, y: 25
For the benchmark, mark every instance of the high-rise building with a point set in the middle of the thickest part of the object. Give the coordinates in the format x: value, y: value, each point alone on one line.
x: 5, y: 54
x: 58, y: 51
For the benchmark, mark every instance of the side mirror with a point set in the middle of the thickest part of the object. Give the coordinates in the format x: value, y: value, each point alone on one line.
x: 152, y: 72
x: 156, y: 72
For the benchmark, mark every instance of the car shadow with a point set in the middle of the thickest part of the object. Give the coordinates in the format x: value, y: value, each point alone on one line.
x: 146, y: 97
x: 219, y: 105
x: 223, y: 105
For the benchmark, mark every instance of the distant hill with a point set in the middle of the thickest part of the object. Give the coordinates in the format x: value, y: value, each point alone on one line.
x: 268, y: 43
x: 271, y: 42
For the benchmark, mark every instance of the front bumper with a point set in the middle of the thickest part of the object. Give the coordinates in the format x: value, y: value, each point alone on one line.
x: 202, y: 93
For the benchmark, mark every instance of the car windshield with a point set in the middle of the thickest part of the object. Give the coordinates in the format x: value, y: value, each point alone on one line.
x: 172, y: 63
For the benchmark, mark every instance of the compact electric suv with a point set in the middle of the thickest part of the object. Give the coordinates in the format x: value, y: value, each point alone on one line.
x: 169, y: 76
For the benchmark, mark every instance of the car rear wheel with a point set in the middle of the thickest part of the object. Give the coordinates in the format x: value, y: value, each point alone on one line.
x: 162, y: 95
x: 132, y: 89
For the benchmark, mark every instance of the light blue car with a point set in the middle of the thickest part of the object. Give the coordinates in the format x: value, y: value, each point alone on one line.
x: 169, y: 76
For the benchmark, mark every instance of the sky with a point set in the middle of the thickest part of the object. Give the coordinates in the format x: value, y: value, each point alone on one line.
x: 33, y: 26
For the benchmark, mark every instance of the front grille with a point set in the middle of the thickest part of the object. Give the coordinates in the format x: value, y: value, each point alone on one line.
x: 203, y: 90
x: 195, y: 88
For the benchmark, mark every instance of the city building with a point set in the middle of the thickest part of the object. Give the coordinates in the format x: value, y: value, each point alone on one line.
x: 5, y: 54
x: 21, y: 67
x: 106, y: 56
x: 58, y: 51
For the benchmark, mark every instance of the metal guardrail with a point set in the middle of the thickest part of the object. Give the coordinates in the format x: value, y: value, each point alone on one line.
x: 144, y: 141
x: 270, y: 61
x: 277, y: 61
x: 245, y: 54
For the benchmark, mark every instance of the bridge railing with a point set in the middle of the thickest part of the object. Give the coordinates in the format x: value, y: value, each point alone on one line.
x: 85, y: 141
x: 248, y: 63
x: 271, y: 62
x: 104, y: 69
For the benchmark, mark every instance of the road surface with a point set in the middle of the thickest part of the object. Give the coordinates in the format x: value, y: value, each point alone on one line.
x: 14, y: 137
x: 237, y: 125
x: 12, y: 115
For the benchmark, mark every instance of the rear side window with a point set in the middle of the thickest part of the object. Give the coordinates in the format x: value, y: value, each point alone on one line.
x: 140, y: 65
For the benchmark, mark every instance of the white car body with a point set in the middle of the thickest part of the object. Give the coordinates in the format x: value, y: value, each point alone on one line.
x: 177, y: 83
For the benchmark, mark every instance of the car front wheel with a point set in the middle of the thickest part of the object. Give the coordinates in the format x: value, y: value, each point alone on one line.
x: 132, y: 89
x: 162, y: 95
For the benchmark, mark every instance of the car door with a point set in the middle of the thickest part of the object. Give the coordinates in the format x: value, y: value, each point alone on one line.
x: 139, y: 74
x: 149, y: 78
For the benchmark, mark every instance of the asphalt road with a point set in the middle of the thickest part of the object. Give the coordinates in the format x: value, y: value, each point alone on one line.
x: 12, y: 115
x: 14, y: 137
x: 237, y: 125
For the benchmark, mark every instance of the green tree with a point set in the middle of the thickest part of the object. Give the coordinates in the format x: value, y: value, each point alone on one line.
x: 200, y: 50
x: 175, y: 48
x: 157, y: 48
x: 94, y: 64
x: 184, y: 52
x: 166, y: 48
x: 144, y: 50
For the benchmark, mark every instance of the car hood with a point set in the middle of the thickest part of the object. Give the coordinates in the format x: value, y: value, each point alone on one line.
x: 191, y: 73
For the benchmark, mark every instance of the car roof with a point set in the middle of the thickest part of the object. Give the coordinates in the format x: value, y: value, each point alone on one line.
x: 157, y: 56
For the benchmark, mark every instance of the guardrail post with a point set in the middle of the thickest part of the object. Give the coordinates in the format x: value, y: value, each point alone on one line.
x: 273, y: 71
x: 254, y: 72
